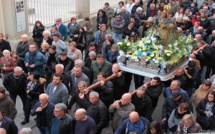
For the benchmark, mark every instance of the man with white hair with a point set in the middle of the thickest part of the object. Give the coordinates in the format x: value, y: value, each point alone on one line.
x: 22, y: 49
x: 15, y: 84
x: 44, y: 111
x: 151, y: 11
x: 206, y: 11
x: 25, y: 131
x: 139, y: 13
x: 125, y: 15
x: 46, y: 38
x: 136, y: 5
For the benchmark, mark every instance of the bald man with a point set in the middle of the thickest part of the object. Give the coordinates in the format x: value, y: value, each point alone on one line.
x: 44, y: 111
x: 143, y: 104
x: 2, y: 131
x: 180, y: 75
x: 84, y: 124
x: 121, y: 110
x: 132, y: 121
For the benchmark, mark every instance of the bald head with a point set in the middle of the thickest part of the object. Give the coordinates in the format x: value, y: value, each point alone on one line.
x: 198, y: 37
x: 179, y: 71
x: 115, y: 68
x: 2, y: 131
x: 126, y: 99
x: 80, y: 114
x: 134, y: 117
x: 123, y: 9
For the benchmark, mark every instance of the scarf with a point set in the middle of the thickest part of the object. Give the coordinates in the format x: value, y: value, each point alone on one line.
x: 208, y: 109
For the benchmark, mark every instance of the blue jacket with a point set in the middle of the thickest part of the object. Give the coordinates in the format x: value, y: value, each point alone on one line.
x: 49, y: 114
x: 36, y: 58
x: 112, y: 56
x: 97, y: 36
x: 168, y: 93
x: 123, y: 128
x: 63, y: 31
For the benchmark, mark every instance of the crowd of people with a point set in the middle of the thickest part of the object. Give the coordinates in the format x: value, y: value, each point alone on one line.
x: 55, y: 81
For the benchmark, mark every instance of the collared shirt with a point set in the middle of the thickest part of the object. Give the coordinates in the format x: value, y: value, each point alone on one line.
x: 55, y: 87
x: 58, y: 25
x: 44, y: 106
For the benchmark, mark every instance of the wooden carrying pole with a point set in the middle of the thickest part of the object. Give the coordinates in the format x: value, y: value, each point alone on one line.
x: 98, y: 84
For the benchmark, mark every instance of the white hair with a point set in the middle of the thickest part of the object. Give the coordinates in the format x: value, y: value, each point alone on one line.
x: 93, y: 93
x: 92, y: 53
x: 17, y: 69
x: 5, y: 51
x: 61, y: 65
x: 44, y: 95
x: 24, y: 36
x: 80, y: 62
x: 46, y: 32
x: 61, y: 106
x: 25, y: 131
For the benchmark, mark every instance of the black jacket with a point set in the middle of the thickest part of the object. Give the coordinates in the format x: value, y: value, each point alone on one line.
x: 38, y: 32
x: 143, y: 106
x: 15, y: 86
x: 9, y: 126
x: 104, y: 19
x: 40, y: 41
x: 22, y: 49
x: 203, y: 56
x: 49, y: 114
x: 68, y: 64
x: 118, y: 87
x: 194, y: 73
x: 99, y: 113
x: 182, y: 79
x: 38, y: 89
x: 4, y: 45
x: 66, y: 124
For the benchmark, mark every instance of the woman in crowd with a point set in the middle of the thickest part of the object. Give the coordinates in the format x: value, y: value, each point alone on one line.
x: 46, y: 38
x: 34, y: 89
x: 179, y: 14
x: 74, y: 53
x: 129, y: 29
x: 44, y: 48
x: 155, y: 128
x: 107, y: 46
x: 202, y: 92
x: 73, y: 27
x: 188, y: 125
x: 7, y: 63
x: 38, y: 30
x: 206, y: 112
x: 176, y: 116
x: 88, y: 61
x: 101, y: 18
x: 92, y: 47
x: 54, y: 31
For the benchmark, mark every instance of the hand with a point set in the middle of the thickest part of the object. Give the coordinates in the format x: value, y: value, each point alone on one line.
x: 86, y: 91
x: 116, y: 104
x: 76, y: 35
x: 58, y: 43
x: 119, y: 74
x: 39, y: 109
x: 201, y: 48
x: 27, y: 91
x: 185, y: 71
x: 4, y: 68
x: 195, y: 52
x: 26, y: 64
x: 172, y: 76
x: 85, y: 28
x: 32, y: 66
x: 102, y: 83
x: 163, y: 120
x: 81, y: 95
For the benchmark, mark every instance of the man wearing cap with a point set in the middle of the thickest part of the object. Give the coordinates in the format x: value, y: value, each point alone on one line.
x: 191, y: 73
x: 73, y: 27
x: 61, y: 28
x: 171, y: 103
x: 7, y: 106
x: 60, y: 45
x: 109, y: 12
x: 65, y: 61
x: 89, y: 29
x: 34, y: 60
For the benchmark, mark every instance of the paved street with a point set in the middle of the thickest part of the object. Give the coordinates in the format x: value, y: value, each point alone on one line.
x: 32, y: 124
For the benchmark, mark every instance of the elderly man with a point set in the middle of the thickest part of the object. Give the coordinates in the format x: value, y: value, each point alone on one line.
x: 7, y: 106
x: 60, y: 45
x: 135, y: 6
x: 44, y: 111
x: 80, y: 97
x: 151, y: 11
x: 46, y: 38
x: 142, y: 103
x: 22, y: 49
x: 62, y: 123
x: 126, y: 16
x: 59, y: 69
x: 61, y: 28
x: 34, y: 60
x: 211, y: 38
x: 57, y: 91
x: 76, y: 76
x: 121, y: 110
x: 8, y: 124
x: 174, y: 86
x: 25, y: 131
x: 180, y: 76
x: 100, y: 65
x: 84, y: 124
x: 98, y: 111
x: 15, y: 84
x: 138, y: 125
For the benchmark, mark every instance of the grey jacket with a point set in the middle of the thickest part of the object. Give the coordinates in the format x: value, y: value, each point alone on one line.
x: 74, y: 84
x: 7, y: 107
x: 120, y: 114
x: 61, y: 47
x: 109, y: 12
x: 89, y: 35
x: 118, y: 25
x: 60, y: 94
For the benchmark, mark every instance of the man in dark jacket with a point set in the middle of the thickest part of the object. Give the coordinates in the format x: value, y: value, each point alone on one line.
x: 7, y: 106
x: 8, y: 124
x: 15, y: 84
x: 62, y: 123
x: 44, y: 111
x: 180, y: 76
x: 142, y: 103
x: 21, y: 50
x: 4, y: 45
x: 136, y: 5
x: 98, y: 111
x: 34, y: 60
x: 67, y: 62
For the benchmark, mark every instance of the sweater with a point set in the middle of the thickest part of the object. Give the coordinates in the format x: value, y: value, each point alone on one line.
x: 87, y: 126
